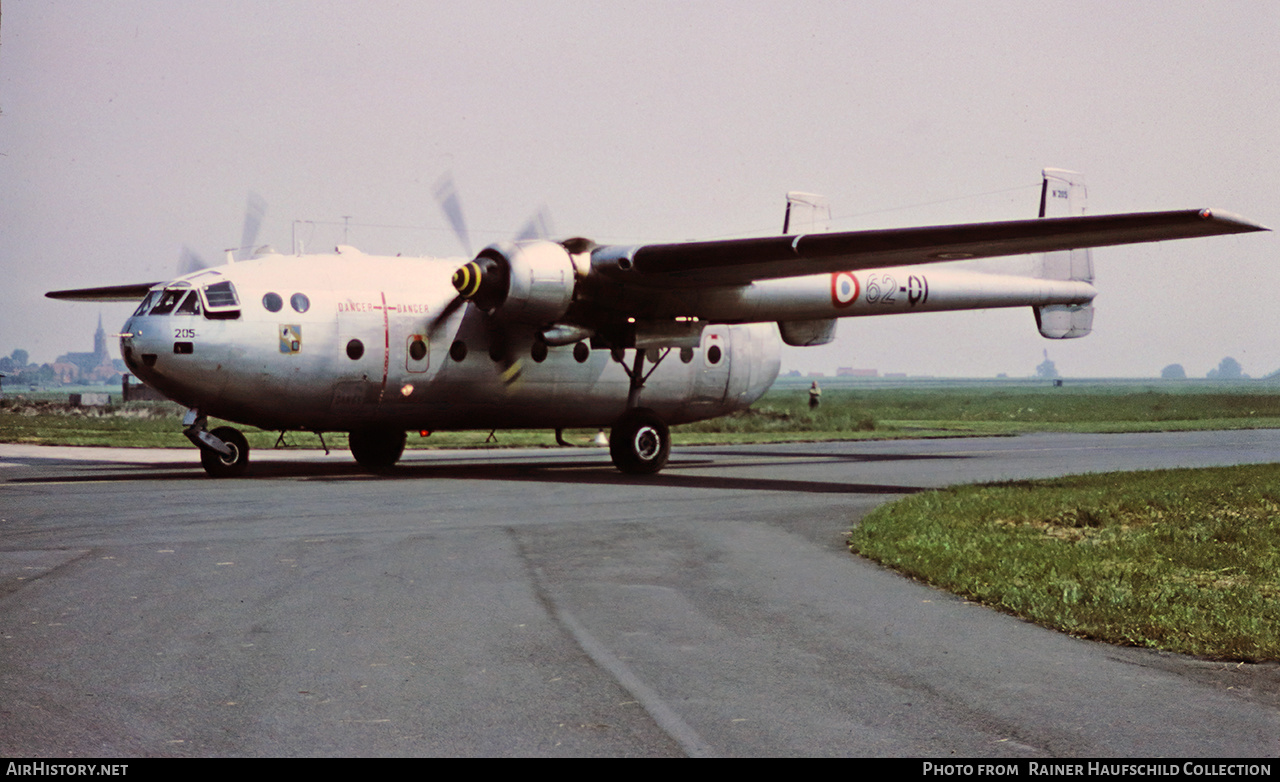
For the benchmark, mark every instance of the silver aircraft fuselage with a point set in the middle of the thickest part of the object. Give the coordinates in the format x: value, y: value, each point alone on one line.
x: 348, y: 341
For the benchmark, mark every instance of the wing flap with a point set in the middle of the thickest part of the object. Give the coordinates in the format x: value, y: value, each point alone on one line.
x: 741, y: 261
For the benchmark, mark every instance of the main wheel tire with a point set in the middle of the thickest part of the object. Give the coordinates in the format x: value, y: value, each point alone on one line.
x: 219, y: 466
x: 640, y: 443
x: 376, y: 450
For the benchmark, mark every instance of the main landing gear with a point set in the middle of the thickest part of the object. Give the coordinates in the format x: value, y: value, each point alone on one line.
x: 224, y: 453
x: 640, y: 442
x: 376, y: 450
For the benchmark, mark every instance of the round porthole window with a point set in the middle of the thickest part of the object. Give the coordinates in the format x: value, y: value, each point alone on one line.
x: 272, y: 302
x: 458, y: 351
x: 538, y: 351
x: 355, y: 349
x: 581, y: 352
x: 417, y: 350
x: 713, y: 354
x: 300, y: 302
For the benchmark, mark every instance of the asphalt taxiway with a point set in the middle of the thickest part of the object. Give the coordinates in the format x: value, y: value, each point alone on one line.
x: 537, y: 602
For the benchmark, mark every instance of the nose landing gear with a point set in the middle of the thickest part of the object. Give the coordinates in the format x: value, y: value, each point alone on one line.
x: 224, y: 453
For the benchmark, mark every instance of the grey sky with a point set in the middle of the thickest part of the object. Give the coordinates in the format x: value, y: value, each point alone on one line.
x: 132, y: 128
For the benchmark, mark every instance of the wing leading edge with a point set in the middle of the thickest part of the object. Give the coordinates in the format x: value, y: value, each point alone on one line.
x: 132, y: 292
x: 742, y: 261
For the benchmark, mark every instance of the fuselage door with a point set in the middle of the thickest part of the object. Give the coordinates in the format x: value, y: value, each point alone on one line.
x: 417, y: 356
x: 362, y: 353
x: 713, y: 365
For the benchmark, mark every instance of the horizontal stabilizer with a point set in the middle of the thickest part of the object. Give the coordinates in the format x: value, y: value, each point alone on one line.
x: 1064, y: 321
x: 808, y: 333
x: 133, y: 292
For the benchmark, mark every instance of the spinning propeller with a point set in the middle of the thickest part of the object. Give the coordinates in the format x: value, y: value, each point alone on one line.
x: 255, y: 209
x: 486, y: 280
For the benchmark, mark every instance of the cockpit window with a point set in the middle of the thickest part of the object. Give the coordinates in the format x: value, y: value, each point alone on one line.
x: 221, y: 294
x: 189, y: 305
x: 220, y: 301
x: 147, y: 301
x: 168, y: 301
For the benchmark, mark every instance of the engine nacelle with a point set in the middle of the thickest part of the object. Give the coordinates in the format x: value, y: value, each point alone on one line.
x: 530, y: 282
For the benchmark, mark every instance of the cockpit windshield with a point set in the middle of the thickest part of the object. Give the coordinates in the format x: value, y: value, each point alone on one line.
x: 168, y: 301
x: 190, y: 305
x: 147, y: 301
x: 216, y: 301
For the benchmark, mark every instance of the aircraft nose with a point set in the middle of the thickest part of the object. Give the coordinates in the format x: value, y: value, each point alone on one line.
x: 140, y: 347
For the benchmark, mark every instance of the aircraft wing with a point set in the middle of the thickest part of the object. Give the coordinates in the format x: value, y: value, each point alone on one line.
x: 742, y: 261
x: 133, y: 292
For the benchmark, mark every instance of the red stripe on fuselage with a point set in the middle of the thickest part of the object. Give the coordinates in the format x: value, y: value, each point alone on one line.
x: 386, y: 346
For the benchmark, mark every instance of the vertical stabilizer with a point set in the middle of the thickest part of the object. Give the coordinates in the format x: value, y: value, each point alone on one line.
x: 1063, y: 194
x: 807, y: 213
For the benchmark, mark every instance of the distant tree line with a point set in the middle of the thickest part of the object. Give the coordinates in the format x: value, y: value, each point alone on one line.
x: 1227, y: 369
x: 15, y: 362
x: 16, y: 368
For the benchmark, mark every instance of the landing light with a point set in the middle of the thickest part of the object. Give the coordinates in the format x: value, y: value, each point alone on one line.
x: 406, y: 389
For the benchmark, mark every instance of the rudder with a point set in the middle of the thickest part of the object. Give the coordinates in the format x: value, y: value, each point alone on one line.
x: 1063, y: 194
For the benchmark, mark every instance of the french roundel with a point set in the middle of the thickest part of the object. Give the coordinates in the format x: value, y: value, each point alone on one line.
x: 844, y: 289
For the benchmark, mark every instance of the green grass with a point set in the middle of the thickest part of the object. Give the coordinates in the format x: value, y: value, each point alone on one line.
x: 993, y: 409
x: 848, y: 411
x: 1183, y: 560
x: 159, y: 425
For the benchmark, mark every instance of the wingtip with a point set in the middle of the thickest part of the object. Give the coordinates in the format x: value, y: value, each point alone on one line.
x: 1238, y: 223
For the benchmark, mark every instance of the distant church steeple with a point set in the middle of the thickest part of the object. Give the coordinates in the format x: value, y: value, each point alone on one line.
x: 100, y: 342
x: 96, y: 367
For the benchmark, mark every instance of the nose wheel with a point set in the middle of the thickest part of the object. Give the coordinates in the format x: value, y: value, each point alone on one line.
x: 228, y: 465
x: 224, y: 453
x: 640, y: 443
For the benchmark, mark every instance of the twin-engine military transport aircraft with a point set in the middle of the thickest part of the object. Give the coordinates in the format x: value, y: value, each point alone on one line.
x: 556, y: 334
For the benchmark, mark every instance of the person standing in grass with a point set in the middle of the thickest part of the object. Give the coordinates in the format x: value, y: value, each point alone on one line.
x: 815, y: 395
